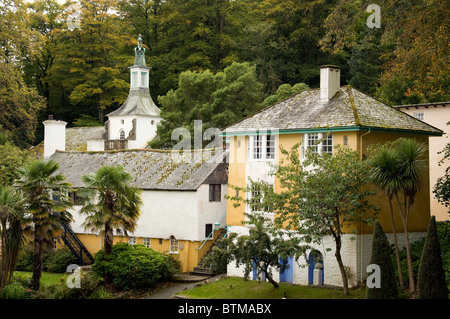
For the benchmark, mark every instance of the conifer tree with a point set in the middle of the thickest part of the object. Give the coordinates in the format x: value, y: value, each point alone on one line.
x: 381, y: 256
x: 431, y: 282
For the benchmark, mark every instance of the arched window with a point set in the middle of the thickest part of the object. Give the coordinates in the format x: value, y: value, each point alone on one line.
x: 315, y: 262
x: 122, y: 134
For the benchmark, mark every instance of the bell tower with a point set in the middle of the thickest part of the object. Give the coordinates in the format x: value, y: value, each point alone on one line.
x: 134, y: 124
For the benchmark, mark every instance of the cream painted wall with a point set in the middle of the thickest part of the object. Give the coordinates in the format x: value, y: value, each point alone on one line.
x: 437, y: 116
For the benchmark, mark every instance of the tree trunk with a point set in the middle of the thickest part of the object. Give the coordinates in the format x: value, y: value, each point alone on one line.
x: 397, y: 254
x: 37, y: 264
x: 108, y: 248
x: 341, y: 265
x: 412, y: 286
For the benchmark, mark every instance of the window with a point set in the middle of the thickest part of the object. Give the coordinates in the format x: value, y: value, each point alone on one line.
x: 327, y: 144
x: 132, y: 241
x: 146, y: 242
x: 214, y: 193
x: 262, y: 147
x: 270, y: 147
x: 134, y: 79
x: 143, y: 79
x: 122, y: 134
x: 257, y: 147
x: 208, y: 230
x: 317, y: 143
x: 173, y: 248
x: 76, y: 200
x: 312, y: 143
x: 256, y: 201
x: 418, y: 115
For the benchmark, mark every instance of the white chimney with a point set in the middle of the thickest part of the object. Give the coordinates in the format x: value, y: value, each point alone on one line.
x: 54, y: 136
x: 330, y: 82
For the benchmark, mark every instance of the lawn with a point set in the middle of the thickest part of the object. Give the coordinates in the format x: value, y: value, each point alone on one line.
x: 237, y: 288
x: 46, y: 278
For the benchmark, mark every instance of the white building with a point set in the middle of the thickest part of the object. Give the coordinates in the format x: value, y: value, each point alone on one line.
x: 131, y: 126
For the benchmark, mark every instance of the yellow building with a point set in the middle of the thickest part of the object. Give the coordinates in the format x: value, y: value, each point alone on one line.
x: 332, y: 115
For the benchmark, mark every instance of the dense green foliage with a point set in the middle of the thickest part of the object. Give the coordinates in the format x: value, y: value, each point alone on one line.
x: 431, y: 277
x: 48, y: 68
x: 381, y: 256
x: 133, y: 266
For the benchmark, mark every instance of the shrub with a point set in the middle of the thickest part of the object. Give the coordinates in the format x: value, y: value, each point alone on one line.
x: 381, y: 256
x: 58, y: 260
x: 25, y: 259
x: 15, y: 291
x: 431, y: 277
x: 134, y: 266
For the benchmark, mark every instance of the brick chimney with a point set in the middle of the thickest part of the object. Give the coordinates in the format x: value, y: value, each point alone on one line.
x: 330, y: 82
x: 54, y: 136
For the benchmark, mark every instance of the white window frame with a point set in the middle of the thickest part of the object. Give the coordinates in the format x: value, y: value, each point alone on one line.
x: 320, y: 142
x: 255, y: 193
x: 146, y: 241
x: 132, y: 241
x: 262, y: 147
x: 173, y: 245
x: 419, y: 115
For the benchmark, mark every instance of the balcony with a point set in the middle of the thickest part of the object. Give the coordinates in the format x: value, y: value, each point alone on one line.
x: 116, y: 145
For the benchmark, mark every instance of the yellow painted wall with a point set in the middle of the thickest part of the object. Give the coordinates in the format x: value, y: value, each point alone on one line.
x: 420, y: 214
x: 188, y: 254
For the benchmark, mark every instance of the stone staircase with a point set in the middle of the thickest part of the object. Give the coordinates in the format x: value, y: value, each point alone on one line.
x: 203, y: 269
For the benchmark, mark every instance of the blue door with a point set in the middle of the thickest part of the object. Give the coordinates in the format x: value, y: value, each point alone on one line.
x: 255, y: 273
x: 314, y: 257
x: 288, y: 274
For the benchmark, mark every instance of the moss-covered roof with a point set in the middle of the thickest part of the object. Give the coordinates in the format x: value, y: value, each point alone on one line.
x: 349, y: 108
x: 76, y: 139
x: 151, y: 169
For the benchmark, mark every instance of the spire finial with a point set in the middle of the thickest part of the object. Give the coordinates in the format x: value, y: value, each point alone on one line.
x: 139, y: 53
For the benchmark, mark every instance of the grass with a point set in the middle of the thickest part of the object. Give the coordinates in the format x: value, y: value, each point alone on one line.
x: 46, y: 278
x: 237, y: 288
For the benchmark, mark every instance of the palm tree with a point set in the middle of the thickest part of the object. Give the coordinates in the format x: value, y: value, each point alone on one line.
x: 412, y: 165
x: 12, y: 225
x: 384, y: 173
x: 110, y: 203
x: 47, y: 202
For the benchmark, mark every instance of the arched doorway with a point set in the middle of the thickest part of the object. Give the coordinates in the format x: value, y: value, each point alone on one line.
x: 288, y: 274
x: 315, y: 257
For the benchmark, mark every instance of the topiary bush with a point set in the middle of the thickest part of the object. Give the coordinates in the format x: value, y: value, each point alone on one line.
x: 381, y: 256
x: 431, y: 277
x: 134, y: 267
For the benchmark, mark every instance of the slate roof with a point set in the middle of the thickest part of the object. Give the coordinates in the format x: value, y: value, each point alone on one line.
x: 349, y: 108
x: 151, y: 169
x: 139, y: 102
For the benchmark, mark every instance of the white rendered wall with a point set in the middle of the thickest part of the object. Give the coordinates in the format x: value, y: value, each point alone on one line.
x: 54, y: 136
x: 210, y: 212
x: 145, y: 129
x: 350, y: 252
x: 97, y: 145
